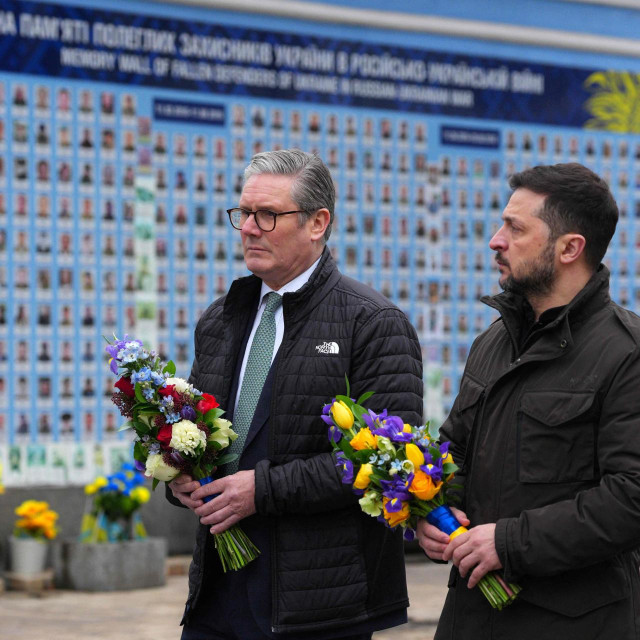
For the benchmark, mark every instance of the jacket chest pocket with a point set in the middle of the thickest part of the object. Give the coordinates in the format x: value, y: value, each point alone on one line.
x: 556, y: 437
x: 468, y: 402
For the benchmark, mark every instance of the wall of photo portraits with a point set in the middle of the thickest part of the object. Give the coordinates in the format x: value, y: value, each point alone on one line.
x: 420, y: 151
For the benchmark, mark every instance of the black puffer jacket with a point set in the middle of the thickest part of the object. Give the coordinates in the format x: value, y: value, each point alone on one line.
x: 331, y: 564
x: 548, y: 437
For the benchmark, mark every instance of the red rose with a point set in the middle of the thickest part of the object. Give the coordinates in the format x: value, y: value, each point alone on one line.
x: 169, y: 390
x: 124, y: 385
x: 164, y: 435
x: 207, y: 403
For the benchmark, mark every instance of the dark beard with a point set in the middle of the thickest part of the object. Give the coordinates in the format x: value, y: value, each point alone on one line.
x: 538, y: 278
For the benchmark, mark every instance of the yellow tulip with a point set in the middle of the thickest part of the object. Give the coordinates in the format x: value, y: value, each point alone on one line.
x: 423, y: 487
x: 407, y: 428
x: 414, y: 454
x: 342, y: 415
x: 364, y: 476
x: 364, y: 439
x: 446, y: 458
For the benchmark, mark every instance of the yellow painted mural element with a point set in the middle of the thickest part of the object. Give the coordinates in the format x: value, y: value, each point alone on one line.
x: 615, y: 101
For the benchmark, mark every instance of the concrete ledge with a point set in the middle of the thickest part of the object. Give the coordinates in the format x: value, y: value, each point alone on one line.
x: 33, y: 584
x: 110, y: 566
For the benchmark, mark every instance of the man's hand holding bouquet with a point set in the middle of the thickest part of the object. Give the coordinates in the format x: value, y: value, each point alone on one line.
x: 179, y: 430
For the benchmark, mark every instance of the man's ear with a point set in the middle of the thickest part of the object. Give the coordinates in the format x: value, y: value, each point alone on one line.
x: 571, y: 247
x: 319, y: 222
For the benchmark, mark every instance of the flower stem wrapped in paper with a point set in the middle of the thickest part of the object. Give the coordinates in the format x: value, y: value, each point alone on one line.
x: 178, y: 430
x: 401, y: 473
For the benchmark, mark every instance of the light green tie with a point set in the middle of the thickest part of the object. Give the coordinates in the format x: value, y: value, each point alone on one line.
x: 255, y: 373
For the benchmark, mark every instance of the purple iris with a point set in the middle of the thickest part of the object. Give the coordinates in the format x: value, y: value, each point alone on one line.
x: 397, y: 490
x: 188, y: 413
x: 346, y: 467
x: 434, y: 469
x: 409, y: 534
x: 393, y: 428
x: 335, y: 435
x: 138, y: 465
x: 373, y: 419
x: 326, y: 415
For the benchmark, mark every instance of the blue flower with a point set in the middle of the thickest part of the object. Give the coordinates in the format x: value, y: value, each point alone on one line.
x: 148, y: 393
x: 142, y: 375
x: 157, y: 379
x: 335, y: 434
x: 172, y: 416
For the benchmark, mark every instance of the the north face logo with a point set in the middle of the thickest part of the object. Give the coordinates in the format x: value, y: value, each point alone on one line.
x: 328, y: 347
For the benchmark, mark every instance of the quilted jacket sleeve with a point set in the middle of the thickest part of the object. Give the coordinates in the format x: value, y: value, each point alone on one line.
x: 386, y: 358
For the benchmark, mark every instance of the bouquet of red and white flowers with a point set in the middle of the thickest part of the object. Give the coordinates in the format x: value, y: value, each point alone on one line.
x: 401, y: 473
x: 178, y: 429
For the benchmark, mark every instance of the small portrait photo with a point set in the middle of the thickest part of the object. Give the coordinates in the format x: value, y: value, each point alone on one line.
x: 160, y: 143
x: 20, y: 132
x: 107, y: 103
x: 42, y: 98
x: 63, y: 138
x: 20, y: 170
x: 238, y: 115
x: 179, y: 145
x: 128, y: 105
x: 64, y: 172
x: 42, y: 134
x: 20, y: 95
x: 63, y: 100
x: 199, y: 146
x: 86, y: 102
x: 43, y: 173
x: 257, y: 117
x: 86, y: 138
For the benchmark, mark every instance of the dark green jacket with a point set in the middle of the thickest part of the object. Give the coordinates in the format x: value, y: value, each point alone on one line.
x: 548, y: 437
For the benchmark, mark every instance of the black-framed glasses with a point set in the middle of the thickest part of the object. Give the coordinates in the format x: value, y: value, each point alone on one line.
x: 265, y: 219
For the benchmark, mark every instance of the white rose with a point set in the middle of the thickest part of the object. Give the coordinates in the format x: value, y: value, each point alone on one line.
x: 224, y: 434
x: 157, y: 468
x: 186, y: 437
x: 181, y: 385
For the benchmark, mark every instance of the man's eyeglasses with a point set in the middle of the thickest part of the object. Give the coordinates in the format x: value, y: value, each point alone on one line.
x: 265, y: 219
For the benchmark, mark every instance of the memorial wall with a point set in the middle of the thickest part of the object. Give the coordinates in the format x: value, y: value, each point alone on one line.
x: 123, y: 138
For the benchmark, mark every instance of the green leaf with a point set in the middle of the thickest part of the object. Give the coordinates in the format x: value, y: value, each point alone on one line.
x: 212, y: 414
x: 449, y: 467
x: 226, y: 458
x: 170, y: 368
x: 154, y: 484
x: 346, y: 399
x: 346, y: 379
x: 139, y: 396
x: 364, y: 397
x: 127, y: 425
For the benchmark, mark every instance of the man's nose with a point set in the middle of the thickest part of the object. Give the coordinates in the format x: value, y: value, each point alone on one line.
x: 250, y: 227
x: 498, y: 241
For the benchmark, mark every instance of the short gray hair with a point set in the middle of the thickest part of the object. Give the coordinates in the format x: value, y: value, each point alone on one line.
x: 313, y: 186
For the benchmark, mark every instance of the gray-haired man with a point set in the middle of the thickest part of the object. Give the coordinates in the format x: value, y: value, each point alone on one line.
x: 325, y: 570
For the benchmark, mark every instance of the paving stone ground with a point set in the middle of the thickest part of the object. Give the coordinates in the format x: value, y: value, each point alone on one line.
x: 154, y: 614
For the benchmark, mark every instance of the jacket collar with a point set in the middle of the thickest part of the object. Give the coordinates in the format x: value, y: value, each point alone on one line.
x: 244, y: 292
x: 593, y: 296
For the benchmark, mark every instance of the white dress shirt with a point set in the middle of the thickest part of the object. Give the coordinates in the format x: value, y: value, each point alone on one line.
x: 295, y: 284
